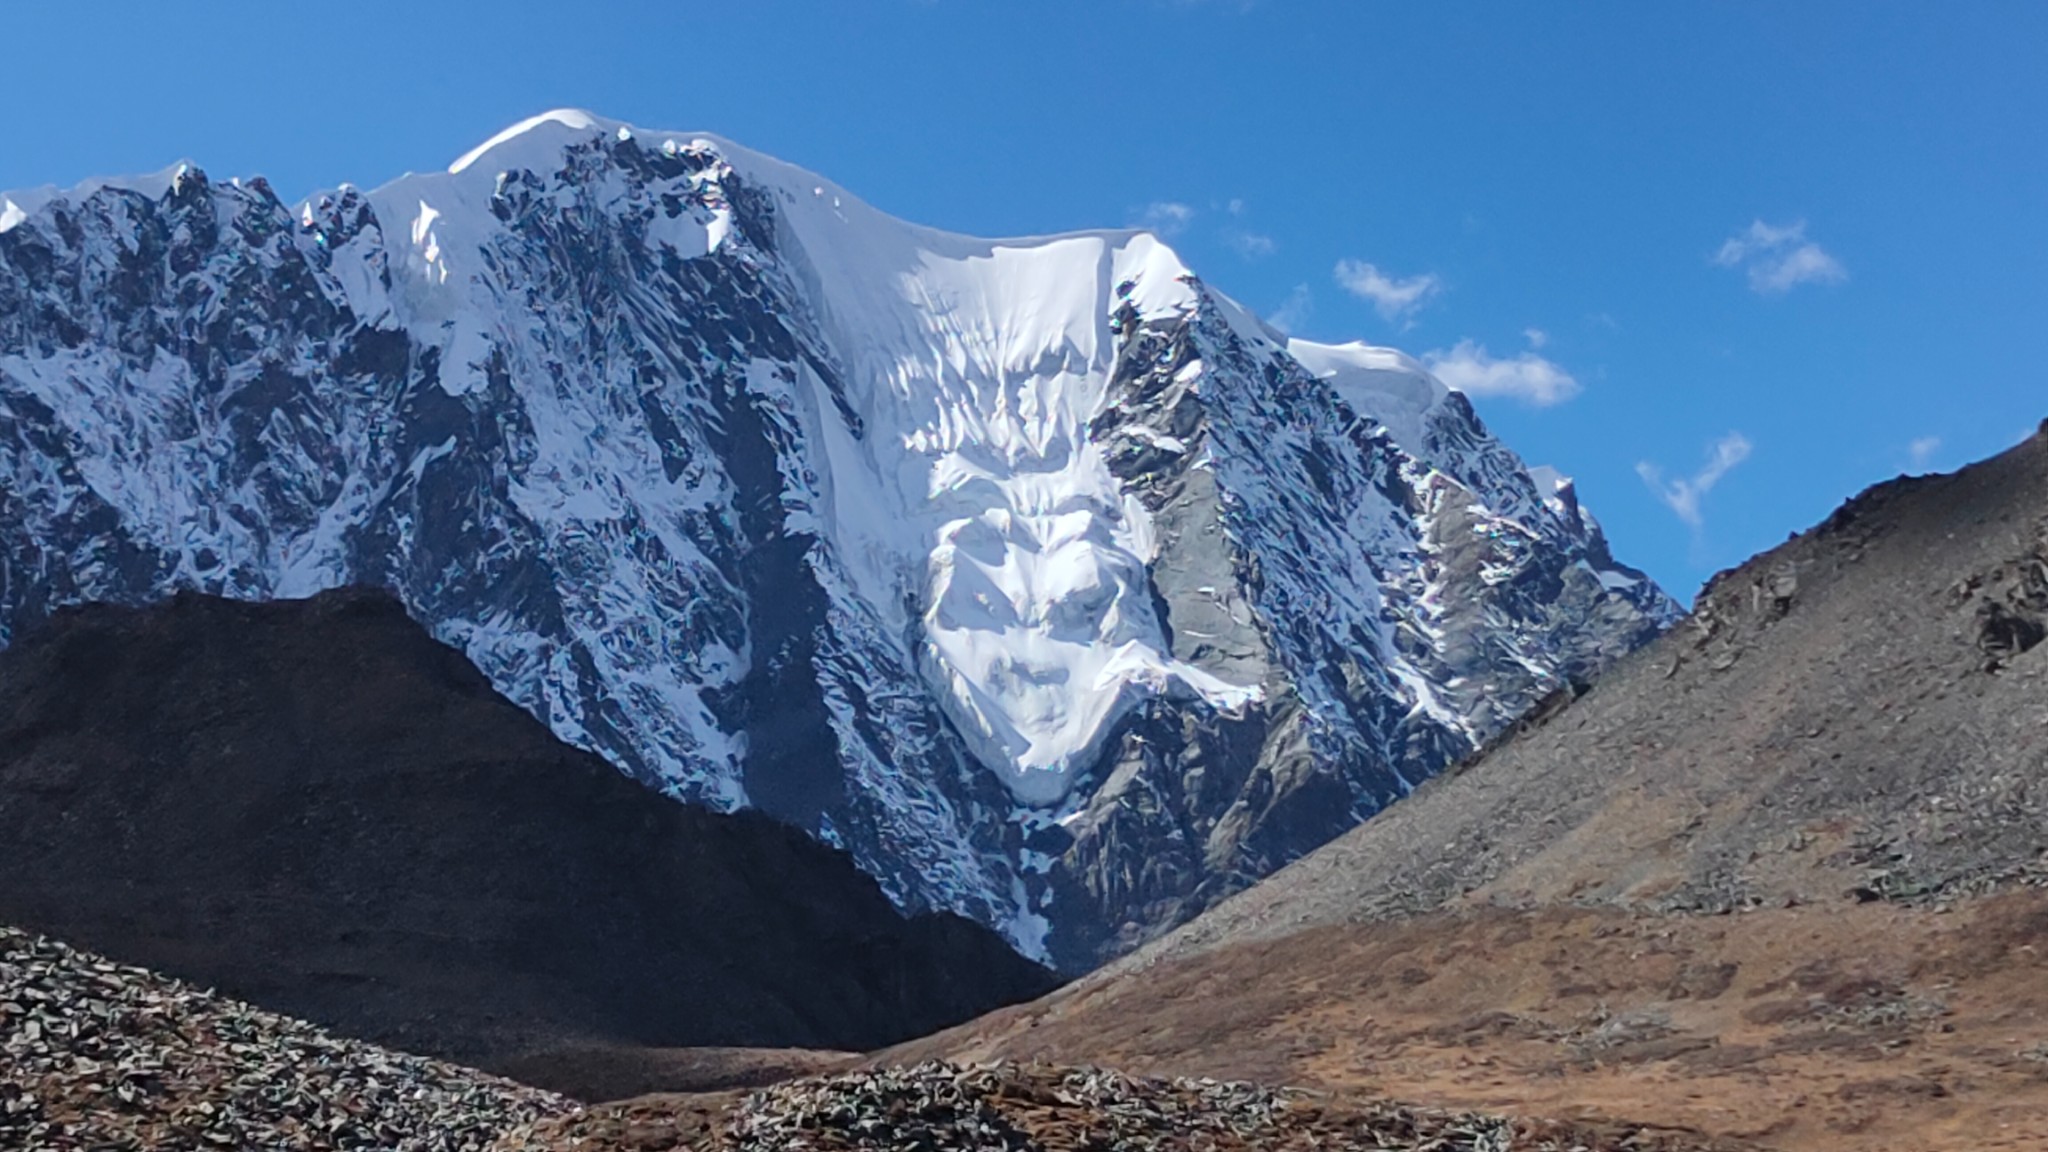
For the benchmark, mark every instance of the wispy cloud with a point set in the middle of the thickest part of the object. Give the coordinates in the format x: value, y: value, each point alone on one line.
x: 1530, y: 378
x: 1294, y: 311
x: 1779, y: 259
x: 1683, y: 494
x: 1166, y: 217
x: 1393, y: 297
x: 1250, y: 245
x: 1922, y: 451
x: 1536, y: 337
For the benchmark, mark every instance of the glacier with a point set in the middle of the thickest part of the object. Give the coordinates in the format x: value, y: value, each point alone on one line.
x: 1053, y: 585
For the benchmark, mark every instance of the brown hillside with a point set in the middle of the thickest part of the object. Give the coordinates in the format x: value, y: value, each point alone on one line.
x: 1844, y: 1028
x: 317, y: 808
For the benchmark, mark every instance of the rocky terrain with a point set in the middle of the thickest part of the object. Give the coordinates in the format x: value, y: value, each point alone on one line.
x: 98, y: 1055
x: 1042, y: 1108
x: 1053, y: 586
x: 317, y: 808
x: 1778, y: 876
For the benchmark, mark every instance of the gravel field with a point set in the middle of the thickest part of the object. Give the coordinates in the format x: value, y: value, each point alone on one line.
x: 940, y: 1107
x: 96, y: 1055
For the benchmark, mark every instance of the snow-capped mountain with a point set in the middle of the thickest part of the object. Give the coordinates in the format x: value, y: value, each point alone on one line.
x: 1047, y: 581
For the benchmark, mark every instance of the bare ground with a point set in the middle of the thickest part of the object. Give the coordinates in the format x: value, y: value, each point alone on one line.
x: 1830, y: 1028
x: 596, y: 1072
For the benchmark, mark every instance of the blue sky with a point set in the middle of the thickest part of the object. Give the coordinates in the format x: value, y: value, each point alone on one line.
x: 1725, y: 263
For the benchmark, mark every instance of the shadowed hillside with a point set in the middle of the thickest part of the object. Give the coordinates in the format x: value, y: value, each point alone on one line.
x: 318, y: 808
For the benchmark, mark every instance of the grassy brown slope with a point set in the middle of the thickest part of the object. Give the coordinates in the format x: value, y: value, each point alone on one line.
x: 317, y: 808
x: 1845, y: 1028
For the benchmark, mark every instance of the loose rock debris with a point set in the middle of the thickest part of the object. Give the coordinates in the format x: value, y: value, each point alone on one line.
x: 938, y: 1107
x: 95, y: 1055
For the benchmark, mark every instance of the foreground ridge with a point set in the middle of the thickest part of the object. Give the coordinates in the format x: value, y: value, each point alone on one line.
x: 1026, y: 1108
x: 99, y: 1055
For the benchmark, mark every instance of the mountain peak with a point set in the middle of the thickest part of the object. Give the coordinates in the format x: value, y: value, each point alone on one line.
x: 518, y: 145
x: 1048, y: 581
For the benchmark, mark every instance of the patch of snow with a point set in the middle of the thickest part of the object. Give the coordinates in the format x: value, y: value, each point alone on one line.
x: 1614, y: 581
x: 527, y: 143
x: 1380, y: 384
x: 976, y: 366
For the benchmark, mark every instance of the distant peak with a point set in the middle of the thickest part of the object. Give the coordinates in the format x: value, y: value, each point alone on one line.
x: 17, y: 205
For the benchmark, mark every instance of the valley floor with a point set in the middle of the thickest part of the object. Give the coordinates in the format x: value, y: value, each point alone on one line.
x: 1825, y: 1028
x: 1840, y: 1028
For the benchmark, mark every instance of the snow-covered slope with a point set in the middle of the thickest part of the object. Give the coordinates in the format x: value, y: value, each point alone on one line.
x: 1043, y: 578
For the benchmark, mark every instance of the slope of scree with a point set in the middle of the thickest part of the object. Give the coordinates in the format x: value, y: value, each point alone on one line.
x: 315, y: 807
x: 100, y: 1055
x: 1859, y: 713
x: 942, y: 1107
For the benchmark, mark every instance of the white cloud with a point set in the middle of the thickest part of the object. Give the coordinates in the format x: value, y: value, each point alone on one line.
x: 1235, y: 207
x: 1922, y: 451
x: 1393, y: 297
x: 1294, y: 311
x: 1166, y: 217
x: 1250, y: 245
x: 1527, y: 377
x: 1804, y: 264
x: 1536, y: 337
x: 1779, y: 259
x: 1759, y: 237
x: 1683, y: 495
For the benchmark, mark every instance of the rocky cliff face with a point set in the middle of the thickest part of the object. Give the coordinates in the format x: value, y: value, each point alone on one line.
x: 1045, y: 580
